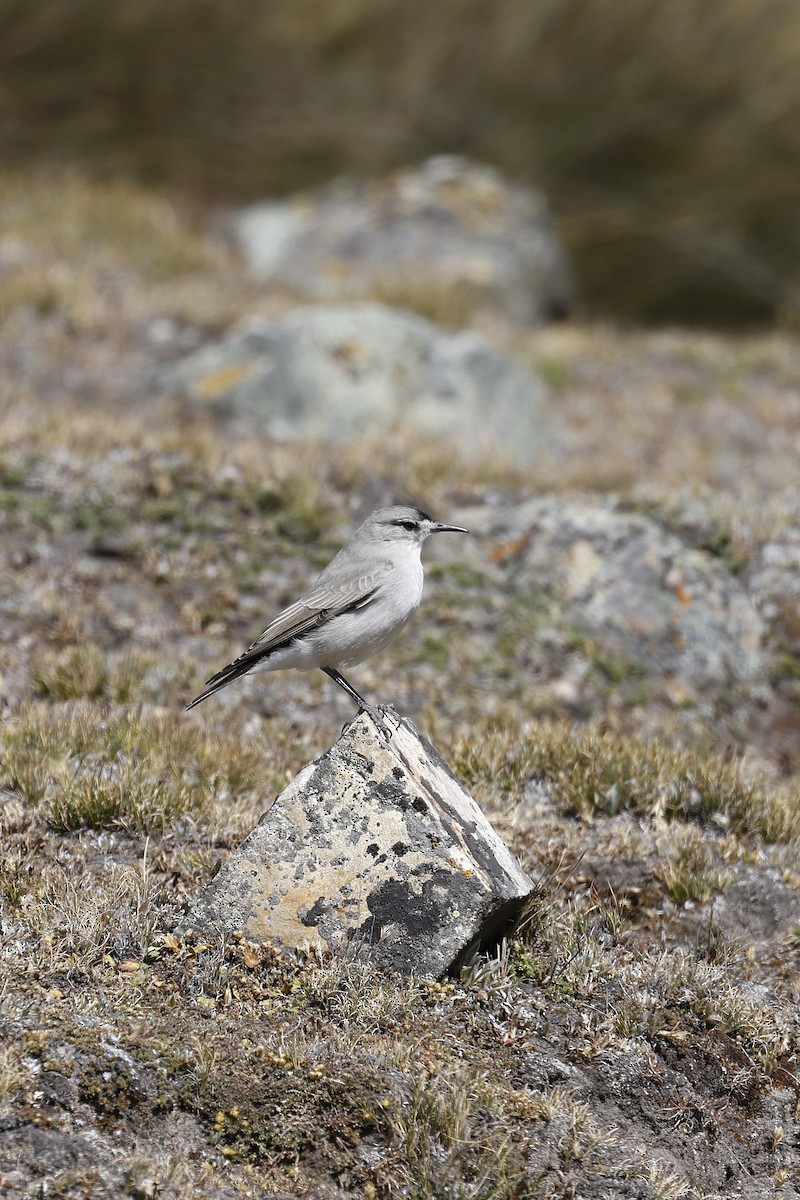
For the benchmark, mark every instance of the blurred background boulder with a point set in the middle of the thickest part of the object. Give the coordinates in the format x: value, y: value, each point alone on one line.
x: 451, y: 237
x: 655, y: 612
x: 332, y: 372
x: 665, y: 136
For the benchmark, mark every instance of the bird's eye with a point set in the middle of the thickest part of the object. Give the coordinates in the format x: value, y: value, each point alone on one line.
x: 409, y: 525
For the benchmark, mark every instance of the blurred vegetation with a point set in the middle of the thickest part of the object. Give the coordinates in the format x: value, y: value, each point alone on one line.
x: 666, y: 135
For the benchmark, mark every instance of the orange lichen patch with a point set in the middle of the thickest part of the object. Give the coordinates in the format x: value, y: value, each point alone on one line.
x: 506, y: 549
x: 217, y: 383
x: 677, y: 692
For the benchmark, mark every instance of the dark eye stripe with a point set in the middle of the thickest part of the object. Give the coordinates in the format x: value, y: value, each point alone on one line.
x: 405, y: 524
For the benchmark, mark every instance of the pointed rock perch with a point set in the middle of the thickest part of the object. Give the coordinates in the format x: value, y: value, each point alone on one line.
x: 375, y: 842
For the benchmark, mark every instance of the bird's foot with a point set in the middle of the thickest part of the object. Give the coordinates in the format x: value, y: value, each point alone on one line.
x: 379, y: 714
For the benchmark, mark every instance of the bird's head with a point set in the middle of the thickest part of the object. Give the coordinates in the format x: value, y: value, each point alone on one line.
x: 405, y: 523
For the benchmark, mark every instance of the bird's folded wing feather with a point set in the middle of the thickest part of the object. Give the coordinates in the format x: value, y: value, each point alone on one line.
x: 315, y: 608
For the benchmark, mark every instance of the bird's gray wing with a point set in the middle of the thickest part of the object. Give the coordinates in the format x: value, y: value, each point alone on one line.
x: 317, y: 606
x: 328, y: 598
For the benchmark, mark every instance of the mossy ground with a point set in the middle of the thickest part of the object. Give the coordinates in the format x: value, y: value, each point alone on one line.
x: 636, y: 1035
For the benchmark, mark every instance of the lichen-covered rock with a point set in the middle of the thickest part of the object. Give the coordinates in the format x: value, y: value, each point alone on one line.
x: 774, y: 583
x: 646, y: 600
x: 449, y: 233
x: 333, y: 373
x: 376, y: 843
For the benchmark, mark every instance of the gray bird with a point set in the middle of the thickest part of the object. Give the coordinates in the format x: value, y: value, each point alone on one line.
x: 362, y: 599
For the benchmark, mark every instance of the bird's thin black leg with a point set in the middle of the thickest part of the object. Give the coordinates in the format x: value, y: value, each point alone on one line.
x: 348, y: 687
x: 374, y: 711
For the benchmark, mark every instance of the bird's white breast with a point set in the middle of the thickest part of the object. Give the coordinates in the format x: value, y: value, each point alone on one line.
x: 353, y: 636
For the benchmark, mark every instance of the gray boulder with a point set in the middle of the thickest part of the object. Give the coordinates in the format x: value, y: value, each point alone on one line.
x: 774, y: 583
x: 449, y: 236
x: 375, y: 843
x: 672, y: 613
x: 334, y: 373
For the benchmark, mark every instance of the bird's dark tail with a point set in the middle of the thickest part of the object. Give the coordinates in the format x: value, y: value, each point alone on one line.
x: 204, y: 695
x: 247, y: 660
x: 234, y: 670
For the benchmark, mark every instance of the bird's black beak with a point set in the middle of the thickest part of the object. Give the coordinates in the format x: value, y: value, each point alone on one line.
x: 440, y: 527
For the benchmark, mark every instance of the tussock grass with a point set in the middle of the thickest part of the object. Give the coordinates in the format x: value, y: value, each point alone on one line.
x: 68, y: 215
x: 86, y: 673
x: 443, y: 1133
x: 658, y: 995
x: 80, y: 672
x: 349, y: 991
x: 591, y: 773
x: 691, y: 872
x: 14, y: 1074
x: 706, y: 989
x: 129, y: 769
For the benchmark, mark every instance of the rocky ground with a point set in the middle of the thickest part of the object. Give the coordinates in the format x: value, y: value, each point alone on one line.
x: 611, y: 663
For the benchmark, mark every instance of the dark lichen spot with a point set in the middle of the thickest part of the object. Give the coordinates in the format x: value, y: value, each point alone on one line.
x: 401, y: 848
x: 395, y: 903
x: 315, y: 913
x: 372, y: 849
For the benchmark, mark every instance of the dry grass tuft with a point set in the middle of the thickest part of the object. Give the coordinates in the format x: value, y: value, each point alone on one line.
x: 76, y: 920
x: 436, y: 1125
x: 131, y: 769
x: 590, y: 773
x: 85, y: 672
x: 14, y: 1074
